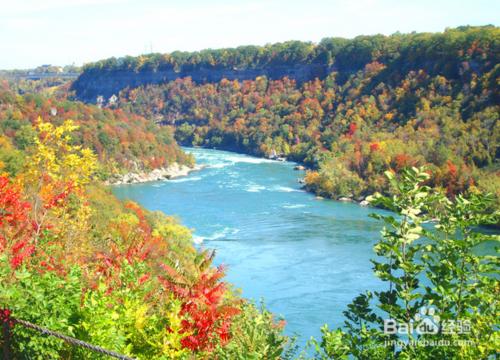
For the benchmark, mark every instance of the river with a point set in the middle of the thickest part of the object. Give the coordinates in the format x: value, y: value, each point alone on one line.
x: 306, y: 258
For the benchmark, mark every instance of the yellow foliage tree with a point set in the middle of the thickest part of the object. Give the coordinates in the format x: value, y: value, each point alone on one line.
x: 55, y: 177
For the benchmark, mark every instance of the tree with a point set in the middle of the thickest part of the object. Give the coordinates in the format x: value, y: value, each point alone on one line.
x: 54, y: 180
x: 439, y: 287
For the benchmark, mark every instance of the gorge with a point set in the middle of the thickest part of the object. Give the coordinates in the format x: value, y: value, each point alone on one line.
x: 140, y: 208
x: 306, y: 258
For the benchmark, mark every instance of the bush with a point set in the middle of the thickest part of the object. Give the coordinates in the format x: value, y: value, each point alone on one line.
x: 441, y: 288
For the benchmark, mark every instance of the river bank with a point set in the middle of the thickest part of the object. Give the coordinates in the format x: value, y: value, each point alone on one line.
x: 170, y: 172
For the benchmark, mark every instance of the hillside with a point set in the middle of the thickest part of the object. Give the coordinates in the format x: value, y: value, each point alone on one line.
x: 122, y: 141
x: 76, y: 260
x: 391, y: 103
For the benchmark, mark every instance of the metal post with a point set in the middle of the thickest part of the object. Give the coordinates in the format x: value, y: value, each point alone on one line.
x: 6, y: 339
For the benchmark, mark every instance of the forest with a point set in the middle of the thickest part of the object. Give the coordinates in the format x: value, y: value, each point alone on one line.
x: 433, y: 52
x: 410, y: 100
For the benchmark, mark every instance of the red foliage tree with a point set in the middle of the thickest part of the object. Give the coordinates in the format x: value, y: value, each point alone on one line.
x: 352, y: 129
x: 401, y: 161
x: 15, y: 228
x: 207, y: 316
x: 374, y: 147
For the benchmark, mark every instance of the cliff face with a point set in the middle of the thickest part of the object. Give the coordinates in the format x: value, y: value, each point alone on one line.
x: 92, y: 84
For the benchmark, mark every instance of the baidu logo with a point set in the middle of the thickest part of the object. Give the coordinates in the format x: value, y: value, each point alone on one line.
x: 427, y: 321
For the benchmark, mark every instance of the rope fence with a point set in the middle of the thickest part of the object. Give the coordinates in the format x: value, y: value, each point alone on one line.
x: 9, y: 322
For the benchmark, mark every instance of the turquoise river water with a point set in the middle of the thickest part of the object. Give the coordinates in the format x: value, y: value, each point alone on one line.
x: 306, y: 258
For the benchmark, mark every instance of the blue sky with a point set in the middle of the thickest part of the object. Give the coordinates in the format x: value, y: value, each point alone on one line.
x: 60, y: 32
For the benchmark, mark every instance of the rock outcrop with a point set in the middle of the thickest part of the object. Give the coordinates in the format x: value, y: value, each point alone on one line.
x: 173, y: 171
x: 93, y: 83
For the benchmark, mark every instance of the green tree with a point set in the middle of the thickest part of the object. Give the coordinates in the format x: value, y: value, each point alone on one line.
x: 434, y: 273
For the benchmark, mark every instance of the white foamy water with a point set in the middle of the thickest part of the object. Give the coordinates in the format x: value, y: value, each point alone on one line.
x: 294, y: 206
x: 226, y: 231
x: 254, y: 188
x: 285, y: 189
x: 186, y: 179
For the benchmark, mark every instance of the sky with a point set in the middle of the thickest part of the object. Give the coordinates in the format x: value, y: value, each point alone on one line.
x: 63, y: 32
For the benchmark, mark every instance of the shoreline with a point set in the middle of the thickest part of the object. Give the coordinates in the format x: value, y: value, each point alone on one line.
x: 172, y: 171
x: 299, y: 166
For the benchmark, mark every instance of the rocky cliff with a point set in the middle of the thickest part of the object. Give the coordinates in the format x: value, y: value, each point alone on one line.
x: 92, y: 84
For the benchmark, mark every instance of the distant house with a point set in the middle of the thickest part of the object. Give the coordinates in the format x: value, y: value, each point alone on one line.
x: 44, y: 68
x: 113, y: 99
x: 99, y: 101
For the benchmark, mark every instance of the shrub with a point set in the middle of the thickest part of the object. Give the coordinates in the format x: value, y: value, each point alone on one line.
x: 434, y: 274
